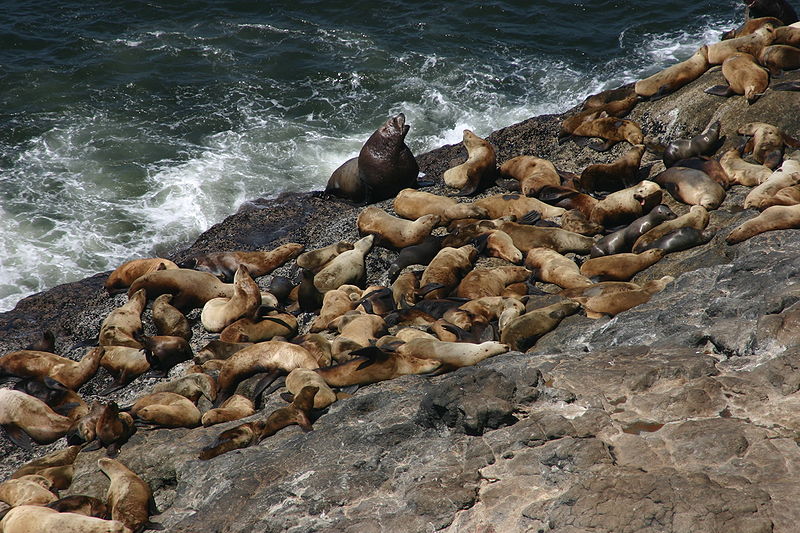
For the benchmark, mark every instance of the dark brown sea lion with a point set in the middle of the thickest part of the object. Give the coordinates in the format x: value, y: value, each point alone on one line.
x: 696, y: 218
x: 164, y: 351
x: 522, y: 332
x: 191, y: 288
x: 678, y: 240
x: 780, y: 9
x: 83, y: 505
x: 705, y: 143
x: 384, y: 167
x: 622, y: 240
x: 479, y: 168
x: 750, y: 26
x: 46, y: 342
x: 610, y: 177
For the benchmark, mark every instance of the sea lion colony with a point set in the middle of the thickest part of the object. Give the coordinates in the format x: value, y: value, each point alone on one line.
x: 330, y: 333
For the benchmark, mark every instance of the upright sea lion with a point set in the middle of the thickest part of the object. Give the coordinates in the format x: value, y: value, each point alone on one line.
x: 744, y: 76
x: 113, y: 428
x: 674, y: 77
x: 772, y: 218
x: 32, y: 364
x: 620, y: 267
x: 522, y: 332
x: 129, y: 496
x: 190, y: 288
x: 128, y: 272
x: 518, y: 205
x: 532, y: 173
x: 166, y: 409
x: 490, y: 282
x: 37, y: 519
x: 346, y: 268
x: 447, y: 268
x: 705, y: 143
x: 170, y: 320
x: 748, y: 44
x: 30, y: 489
x: 741, y: 172
x: 550, y: 266
x: 420, y: 254
x: 123, y: 323
x: 262, y: 329
x: 780, y: 9
x: 622, y: 207
x: 24, y: 417
x: 613, y: 130
x: 234, y: 408
x: 246, y: 299
x: 610, y: 177
x: 404, y: 290
x: 480, y: 166
x: 315, y: 260
x: 384, y: 167
x: 696, y: 218
x: 690, y: 186
x: 413, y: 204
x: 768, y: 143
x: 622, y: 240
x: 259, y: 263
x: 394, y: 232
x: 779, y: 57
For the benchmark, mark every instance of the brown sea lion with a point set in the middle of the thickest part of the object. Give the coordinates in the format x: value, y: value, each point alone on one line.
x: 479, y: 168
x: 259, y: 263
x: 166, y: 409
x: 128, y: 272
x: 625, y: 206
x: 246, y: 299
x: 500, y: 244
x: 404, y: 290
x: 749, y: 44
x: 521, y: 333
x: 113, y: 428
x: 300, y: 378
x: 347, y: 268
x: 614, y: 297
x: 164, y: 352
x: 315, y: 260
x: 767, y: 143
x: 613, y: 130
x: 170, y: 320
x: 123, y: 323
x: 690, y: 186
x: 785, y: 196
x: 610, y: 177
x: 23, y: 416
x: 30, y: 489
x: 490, y: 282
x: 779, y: 57
x: 261, y: 329
x: 518, y: 205
x: 191, y: 386
x: 46, y: 342
x: 129, y: 496
x: 741, y: 172
x: 551, y: 267
x: 696, y: 218
x: 58, y: 458
x: 576, y: 222
x: 481, y: 311
x: 787, y: 175
x: 355, y: 331
x: 394, y: 232
x: 612, y: 103
x: 32, y: 364
x: 674, y: 77
x: 125, y: 364
x: 532, y: 173
x: 526, y: 237
x: 82, y: 505
x: 772, y: 218
x: 705, y: 143
x: 447, y: 269
x: 620, y: 267
x: 750, y: 26
x: 37, y: 519
x: 234, y: 408
x: 190, y: 288
x: 374, y: 365
x: 787, y: 35
x: 217, y: 349
x: 335, y: 304
x: 744, y: 76
x: 413, y: 204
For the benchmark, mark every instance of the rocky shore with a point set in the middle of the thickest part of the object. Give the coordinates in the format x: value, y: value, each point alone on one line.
x: 679, y: 415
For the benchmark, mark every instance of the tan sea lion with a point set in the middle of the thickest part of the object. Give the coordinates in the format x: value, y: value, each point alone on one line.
x: 447, y: 269
x: 58, y: 458
x: 696, y: 218
x: 315, y: 260
x: 481, y: 165
x: 123, y: 323
x: 490, y: 282
x: 610, y: 177
x: 750, y: 26
x: 452, y: 354
x: 749, y: 44
x: 767, y: 144
x: 597, y: 301
x: 413, y: 204
x: 576, y: 222
x: 246, y: 299
x: 170, y: 320
x: 190, y: 288
x: 526, y: 237
x: 128, y: 272
x: 234, y: 408
x: 551, y: 267
x: 217, y: 349
x: 374, y: 367
x: 622, y: 207
x: 32, y: 364
x: 741, y: 172
x: 613, y: 130
x: 785, y: 196
x: 318, y: 345
x: 779, y: 57
x: 787, y: 175
x: 521, y: 333
x: 37, y: 519
x: 335, y: 304
x: 355, y: 331
x: 261, y: 329
x: 125, y: 364
x: 394, y: 232
x: 744, y: 76
x: 113, y: 428
x: 23, y: 416
x: 166, y: 409
x: 481, y: 311
x: 674, y: 77
x: 299, y: 378
x: 690, y: 186
x: 404, y: 290
x: 129, y: 496
x: 705, y: 143
x: 30, y: 489
x: 346, y: 268
x: 620, y: 267
x: 259, y: 263
x: 532, y: 173
x: 500, y: 244
x: 191, y: 386
x: 787, y: 35
x: 518, y: 205
x: 267, y: 356
x: 772, y: 218
x: 612, y: 103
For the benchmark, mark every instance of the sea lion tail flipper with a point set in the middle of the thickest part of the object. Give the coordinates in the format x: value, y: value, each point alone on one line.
x: 424, y: 181
x: 655, y: 147
x: 786, y: 86
x: 530, y: 218
x: 277, y: 384
x: 18, y: 436
x: 461, y: 334
x: 265, y: 382
x: 304, y: 401
x: 581, y: 141
x: 287, y: 397
x: 720, y: 90
x: 373, y: 355
x: 430, y: 287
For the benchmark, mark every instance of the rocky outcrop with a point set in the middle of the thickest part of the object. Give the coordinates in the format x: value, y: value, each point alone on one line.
x: 678, y: 415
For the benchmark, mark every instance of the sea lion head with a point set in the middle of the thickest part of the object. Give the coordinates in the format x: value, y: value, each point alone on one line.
x: 395, y: 127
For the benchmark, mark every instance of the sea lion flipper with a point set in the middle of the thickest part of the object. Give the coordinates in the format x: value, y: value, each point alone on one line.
x: 65, y: 409
x: 265, y: 382
x: 720, y: 90
x: 18, y: 436
x: 530, y: 218
x: 786, y: 86
x: 92, y: 446
x: 373, y: 355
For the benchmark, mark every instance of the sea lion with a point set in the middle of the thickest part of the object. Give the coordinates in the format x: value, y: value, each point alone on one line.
x: 499, y: 244
x: 551, y: 267
x: 346, y: 268
x: 234, y: 408
x: 413, y: 204
x: 164, y: 352
x: 787, y: 175
x: 779, y: 57
x: 128, y: 272
x: 787, y: 35
x: 785, y: 196
x: 129, y: 496
x: 46, y: 342
x: 710, y: 166
x: 612, y: 103
x: 374, y: 365
x: 532, y: 173
x: 420, y: 254
x: 37, y: 519
x: 394, y: 232
x: 246, y: 299
x: 621, y: 266
x: 610, y: 177
x: 674, y: 77
x: 123, y: 323
x: 355, y: 331
x: 451, y: 354
x: 447, y: 269
x: 24, y: 417
x: 259, y: 330
x: 169, y: 320
x: 705, y: 143
x: 696, y: 218
x: 521, y: 333
x: 568, y: 198
x: 190, y: 288
x: 254, y: 432
x: 518, y: 205
x: 741, y: 172
x: 30, y: 489
x: 749, y: 44
x: 690, y: 186
x: 309, y: 298
x: 678, y: 240
x: 376, y: 300
x: 767, y: 144
x: 259, y: 263
x: 404, y: 290
x: 315, y: 260
x: 744, y: 76
x: 335, y: 304
x: 58, y: 458
x: 576, y: 222
x: 82, y: 505
x: 384, y: 167
x: 750, y: 26
x: 490, y: 282
x: 318, y: 345
x: 613, y: 130
x: 622, y: 240
x: 526, y: 237
x: 191, y: 386
x: 125, y: 364
x: 217, y: 349
x: 300, y: 378
x: 625, y: 206
x: 480, y: 166
x: 780, y: 9
x: 772, y: 218
x: 32, y: 364
x: 166, y: 409
x: 614, y: 297
x: 481, y: 311
x: 113, y: 428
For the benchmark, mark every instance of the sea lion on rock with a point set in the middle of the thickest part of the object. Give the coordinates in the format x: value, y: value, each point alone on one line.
x: 620, y: 267
x: 522, y: 332
x: 31, y: 489
x: 164, y: 352
x: 217, y: 349
x: 261, y: 329
x: 374, y: 365
x: 191, y: 386
x: 787, y: 35
x: 705, y: 143
x: 779, y: 57
x: 166, y: 409
x: 696, y: 218
x: 613, y: 130
x: 384, y: 167
x: 673, y: 77
x: 576, y: 222
x: 622, y: 240
x: 625, y: 206
x: 259, y: 263
x: 741, y: 172
x: 121, y: 325
x: 125, y: 364
x: 169, y: 320
x: 129, y: 496
x: 767, y: 143
x: 315, y: 260
x: 234, y: 408
x: 750, y: 26
x: 355, y: 331
x: 24, y: 417
x: 532, y: 173
x: 346, y: 268
x: 128, y: 272
x: 749, y: 44
x: 394, y: 232
x: 33, y: 364
x: 335, y: 304
x: 490, y: 282
x: 246, y: 299
x: 190, y: 288
x: 690, y: 186
x: 614, y: 297
x: 744, y: 76
x: 451, y: 354
x: 787, y: 175
x: 480, y: 166
x: 518, y: 205
x: 610, y: 177
x: 421, y: 254
x: 447, y: 269
x: 300, y: 378
x: 37, y: 519
x: 550, y: 266
x: 82, y: 505
x: 413, y: 204
x: 786, y: 196
x: 772, y: 218
x: 678, y: 240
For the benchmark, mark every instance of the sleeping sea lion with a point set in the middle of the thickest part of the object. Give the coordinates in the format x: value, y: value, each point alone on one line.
x: 532, y: 173
x: 674, y: 77
x: 128, y: 272
x: 705, y: 143
x: 610, y: 177
x: 772, y: 218
x: 744, y: 76
x: 258, y: 263
x: 690, y: 186
x: 413, y: 204
x: 37, y: 519
x: 394, y: 232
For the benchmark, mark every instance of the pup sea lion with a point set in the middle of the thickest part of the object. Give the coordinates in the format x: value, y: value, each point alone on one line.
x: 24, y: 417
x: 622, y: 207
x: 521, y: 333
x: 772, y: 218
x: 129, y: 496
x: 259, y: 263
x: 413, y: 204
x: 246, y: 299
x: 123, y: 323
x: 779, y: 57
x: 499, y: 244
x: 780, y: 9
x: 234, y: 408
x: 384, y: 167
x: 394, y: 232
x: 404, y: 290
x: 128, y: 272
x: 532, y: 173
x: 610, y: 177
x: 190, y: 288
x: 113, y: 428
x: 346, y: 268
x: 447, y: 268
x: 259, y: 330
x: 31, y: 489
x: 622, y: 240
x: 169, y: 320
x: 768, y: 143
x: 696, y: 218
x: 692, y: 187
x: 490, y: 282
x: 613, y: 130
x: 46, y: 342
x: 37, y: 519
x: 551, y: 267
x: 620, y: 267
x: 705, y: 143
x: 744, y: 76
x: 741, y: 172
x: 166, y: 409
x: 500, y: 205
x: 32, y: 364
x: 673, y: 77
x: 480, y: 166
x: 749, y: 44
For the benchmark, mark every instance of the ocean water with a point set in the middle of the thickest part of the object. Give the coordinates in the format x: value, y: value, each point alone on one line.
x: 129, y: 127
